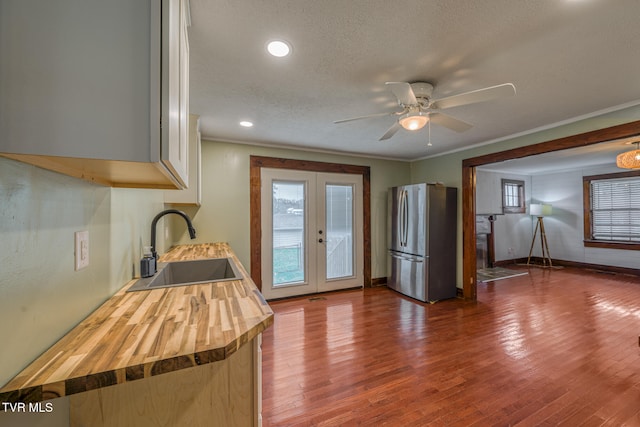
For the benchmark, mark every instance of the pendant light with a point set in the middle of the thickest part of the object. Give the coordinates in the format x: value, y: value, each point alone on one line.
x: 629, y: 159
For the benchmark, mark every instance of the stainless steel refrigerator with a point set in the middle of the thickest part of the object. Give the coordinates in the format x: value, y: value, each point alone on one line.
x: 422, y: 233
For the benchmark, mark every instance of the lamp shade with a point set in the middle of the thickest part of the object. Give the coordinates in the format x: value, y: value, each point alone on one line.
x: 629, y: 159
x: 414, y: 122
x: 539, y: 209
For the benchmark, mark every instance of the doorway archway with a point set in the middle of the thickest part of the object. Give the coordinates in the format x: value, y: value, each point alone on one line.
x: 469, y: 282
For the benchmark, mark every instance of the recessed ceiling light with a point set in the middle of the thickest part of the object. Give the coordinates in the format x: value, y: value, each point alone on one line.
x: 278, y: 48
x: 246, y: 124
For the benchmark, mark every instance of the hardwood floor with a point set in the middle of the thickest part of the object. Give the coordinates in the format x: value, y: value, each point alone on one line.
x: 555, y: 347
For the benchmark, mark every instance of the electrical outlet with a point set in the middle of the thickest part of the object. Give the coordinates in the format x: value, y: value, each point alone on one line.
x: 82, y: 249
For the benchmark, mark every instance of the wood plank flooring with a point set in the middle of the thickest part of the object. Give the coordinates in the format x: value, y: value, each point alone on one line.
x: 555, y: 347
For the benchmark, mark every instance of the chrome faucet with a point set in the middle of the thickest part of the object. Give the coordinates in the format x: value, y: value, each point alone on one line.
x: 192, y: 231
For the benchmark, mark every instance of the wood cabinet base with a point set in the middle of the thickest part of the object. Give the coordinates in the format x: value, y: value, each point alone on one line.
x: 221, y: 393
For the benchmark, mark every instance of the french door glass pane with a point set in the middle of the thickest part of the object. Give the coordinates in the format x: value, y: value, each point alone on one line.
x: 288, y: 232
x: 339, y: 231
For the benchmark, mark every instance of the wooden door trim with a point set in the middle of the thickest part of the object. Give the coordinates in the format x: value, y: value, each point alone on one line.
x: 258, y: 162
x: 469, y: 284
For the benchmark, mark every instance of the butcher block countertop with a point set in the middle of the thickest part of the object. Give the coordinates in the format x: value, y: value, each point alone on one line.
x: 140, y: 334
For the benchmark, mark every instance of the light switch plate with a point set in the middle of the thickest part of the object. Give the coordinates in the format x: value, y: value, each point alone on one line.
x: 82, y: 249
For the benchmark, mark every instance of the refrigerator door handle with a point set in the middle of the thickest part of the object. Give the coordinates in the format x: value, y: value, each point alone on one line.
x: 395, y: 255
x: 400, y: 216
x: 404, y: 224
x: 406, y: 217
x: 406, y: 257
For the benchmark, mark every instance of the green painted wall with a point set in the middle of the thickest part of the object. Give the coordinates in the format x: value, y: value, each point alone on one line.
x: 41, y: 295
x: 224, y: 214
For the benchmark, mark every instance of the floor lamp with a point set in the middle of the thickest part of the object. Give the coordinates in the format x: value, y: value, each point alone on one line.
x: 540, y: 211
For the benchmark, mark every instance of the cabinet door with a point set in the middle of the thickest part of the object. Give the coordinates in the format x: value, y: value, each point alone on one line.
x: 193, y: 194
x: 74, y: 79
x: 175, y: 89
x: 97, y: 89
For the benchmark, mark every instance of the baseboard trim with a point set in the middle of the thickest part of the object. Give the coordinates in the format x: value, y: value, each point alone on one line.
x: 378, y: 281
x: 537, y: 261
x: 315, y: 295
x: 507, y: 262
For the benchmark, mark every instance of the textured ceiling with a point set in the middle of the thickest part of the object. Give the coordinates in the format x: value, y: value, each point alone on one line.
x: 567, y: 58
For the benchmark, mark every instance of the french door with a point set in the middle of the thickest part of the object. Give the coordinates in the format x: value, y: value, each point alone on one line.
x: 312, y: 232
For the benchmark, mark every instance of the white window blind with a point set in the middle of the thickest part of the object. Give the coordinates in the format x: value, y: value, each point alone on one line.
x: 615, y: 209
x: 511, y: 195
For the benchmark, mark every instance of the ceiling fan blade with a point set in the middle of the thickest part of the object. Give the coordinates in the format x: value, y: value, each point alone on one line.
x: 403, y: 92
x: 365, y: 117
x: 480, y: 95
x: 449, y: 122
x: 391, y: 131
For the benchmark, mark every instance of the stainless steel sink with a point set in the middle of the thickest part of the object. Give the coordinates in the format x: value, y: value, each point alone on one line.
x: 182, y: 273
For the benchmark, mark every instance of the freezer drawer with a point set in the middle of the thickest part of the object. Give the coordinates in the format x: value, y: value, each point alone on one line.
x: 409, y: 275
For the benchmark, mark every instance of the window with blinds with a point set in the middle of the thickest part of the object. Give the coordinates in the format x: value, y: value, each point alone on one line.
x: 513, y: 196
x: 615, y: 209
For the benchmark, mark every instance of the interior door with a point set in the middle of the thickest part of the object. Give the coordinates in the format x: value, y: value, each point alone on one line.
x: 312, y: 233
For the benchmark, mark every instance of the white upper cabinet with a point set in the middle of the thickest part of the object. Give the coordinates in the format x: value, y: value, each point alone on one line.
x: 97, y: 89
x: 175, y: 89
x: 193, y: 194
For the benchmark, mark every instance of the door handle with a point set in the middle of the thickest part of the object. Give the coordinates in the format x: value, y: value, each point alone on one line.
x: 398, y: 256
x: 405, y: 218
x: 319, y: 240
x: 407, y: 258
x: 401, y: 217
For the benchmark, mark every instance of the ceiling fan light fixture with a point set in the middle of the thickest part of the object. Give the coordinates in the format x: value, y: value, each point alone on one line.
x: 629, y: 159
x: 414, y: 121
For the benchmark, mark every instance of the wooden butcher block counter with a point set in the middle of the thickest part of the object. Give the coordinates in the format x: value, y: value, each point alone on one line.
x: 140, y: 335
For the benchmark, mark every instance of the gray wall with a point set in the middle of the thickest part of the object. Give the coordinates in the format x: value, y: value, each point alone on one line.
x: 564, y: 228
x: 512, y: 230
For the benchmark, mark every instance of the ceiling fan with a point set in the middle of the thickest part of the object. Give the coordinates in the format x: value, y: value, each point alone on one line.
x: 418, y: 108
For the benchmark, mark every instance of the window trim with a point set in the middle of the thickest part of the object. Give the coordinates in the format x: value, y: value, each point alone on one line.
x: 521, y: 208
x: 586, y: 198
